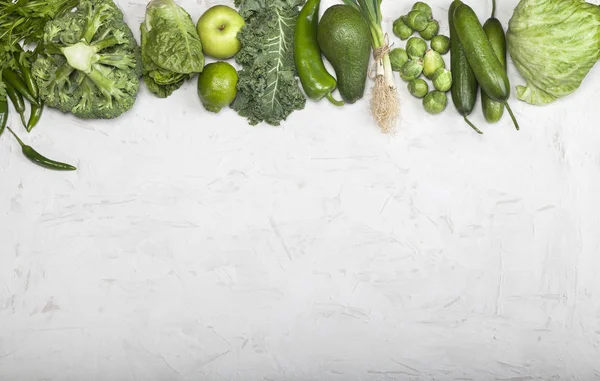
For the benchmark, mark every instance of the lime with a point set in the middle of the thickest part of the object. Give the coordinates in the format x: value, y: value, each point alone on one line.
x: 217, y: 85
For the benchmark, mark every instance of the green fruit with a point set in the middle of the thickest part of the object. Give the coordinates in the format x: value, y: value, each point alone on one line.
x: 398, y: 58
x: 418, y: 87
x: 416, y: 20
x: 433, y: 28
x: 217, y: 86
x: 421, y: 6
x: 440, y: 44
x: 432, y: 62
x: 435, y: 102
x: 345, y: 40
x: 442, y: 80
x: 401, y: 30
x: 416, y: 47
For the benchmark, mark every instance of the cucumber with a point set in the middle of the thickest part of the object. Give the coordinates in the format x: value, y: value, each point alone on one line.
x: 464, y: 83
x: 489, y: 71
x: 493, y: 110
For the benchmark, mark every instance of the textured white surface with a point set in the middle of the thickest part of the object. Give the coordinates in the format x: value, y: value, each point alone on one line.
x: 191, y: 246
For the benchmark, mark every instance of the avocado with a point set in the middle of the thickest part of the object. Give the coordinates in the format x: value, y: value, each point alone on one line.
x: 345, y: 40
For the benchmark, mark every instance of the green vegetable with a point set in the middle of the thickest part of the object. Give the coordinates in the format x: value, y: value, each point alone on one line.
x: 440, y: 44
x: 418, y: 87
x: 267, y: 88
x: 24, y: 65
x: 426, y: 9
x: 316, y: 81
x: 398, y: 58
x: 401, y: 30
x: 40, y: 160
x: 442, y: 80
x: 435, y: 102
x: 486, y: 66
x: 17, y: 100
x: 432, y: 30
x: 35, y: 116
x: 14, y: 79
x: 554, y: 44
x: 171, y: 47
x: 488, y: 70
x: 3, y: 114
x: 90, y: 64
x: 493, y: 110
x: 416, y: 47
x: 416, y: 20
x: 385, y: 104
x: 432, y: 62
x: 411, y: 70
x: 464, y: 83
x: 25, y: 19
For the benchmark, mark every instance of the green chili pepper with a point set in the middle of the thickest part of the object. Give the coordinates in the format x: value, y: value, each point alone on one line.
x: 26, y: 72
x: 12, y: 77
x: 3, y: 114
x: 34, y: 116
x: 29, y: 81
x: 17, y: 101
x: 316, y: 81
x: 40, y: 160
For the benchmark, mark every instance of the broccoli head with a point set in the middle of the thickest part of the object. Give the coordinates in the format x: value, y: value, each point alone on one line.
x: 90, y: 63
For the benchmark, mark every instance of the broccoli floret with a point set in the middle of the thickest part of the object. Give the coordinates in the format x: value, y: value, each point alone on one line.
x: 90, y: 64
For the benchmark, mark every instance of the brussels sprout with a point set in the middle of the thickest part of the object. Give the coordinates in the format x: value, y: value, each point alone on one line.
x: 421, y: 6
x: 418, y: 87
x: 411, y: 70
x: 435, y: 102
x: 433, y: 28
x: 432, y: 61
x: 416, y: 20
x: 398, y: 57
x: 416, y: 47
x: 440, y: 44
x: 401, y: 30
x: 442, y: 80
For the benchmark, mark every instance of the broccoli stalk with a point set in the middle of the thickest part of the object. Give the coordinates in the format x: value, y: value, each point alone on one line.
x: 90, y: 64
x: 95, y: 19
x: 82, y: 56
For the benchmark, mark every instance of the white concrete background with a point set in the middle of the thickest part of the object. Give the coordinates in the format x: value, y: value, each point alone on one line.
x: 192, y: 246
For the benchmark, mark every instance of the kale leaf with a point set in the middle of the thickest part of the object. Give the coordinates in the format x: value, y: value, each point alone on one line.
x: 268, y: 89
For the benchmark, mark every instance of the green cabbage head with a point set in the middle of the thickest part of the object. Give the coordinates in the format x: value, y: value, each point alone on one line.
x: 554, y: 44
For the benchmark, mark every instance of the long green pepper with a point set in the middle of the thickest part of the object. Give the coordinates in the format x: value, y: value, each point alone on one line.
x: 17, y: 100
x: 12, y: 77
x: 3, y: 114
x: 40, y: 160
x: 28, y: 79
x: 25, y: 69
x: 35, y: 116
x: 316, y: 81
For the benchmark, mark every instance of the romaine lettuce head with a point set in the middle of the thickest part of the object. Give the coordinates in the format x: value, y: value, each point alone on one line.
x: 171, y: 47
x: 554, y: 44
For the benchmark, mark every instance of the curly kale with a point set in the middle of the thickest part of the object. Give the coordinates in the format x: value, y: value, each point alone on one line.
x: 90, y: 63
x: 268, y: 89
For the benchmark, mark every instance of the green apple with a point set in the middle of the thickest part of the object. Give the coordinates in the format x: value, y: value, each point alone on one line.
x: 218, y: 28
